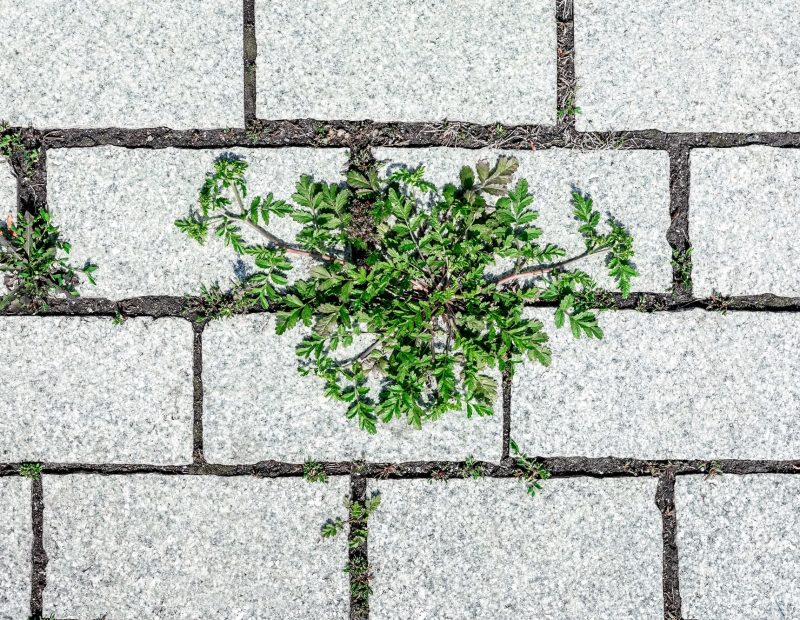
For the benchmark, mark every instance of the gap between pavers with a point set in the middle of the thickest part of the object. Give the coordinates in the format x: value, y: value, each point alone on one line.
x: 581, y: 548
x: 684, y: 66
x: 118, y: 208
x: 744, y: 221
x: 685, y: 385
x: 123, y: 64
x: 16, y: 540
x: 407, y: 60
x: 85, y: 390
x: 738, y: 545
x: 185, y: 547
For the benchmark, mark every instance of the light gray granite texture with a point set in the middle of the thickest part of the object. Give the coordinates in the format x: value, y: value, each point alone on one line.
x: 16, y: 541
x: 744, y: 221
x: 258, y: 407
x: 738, y: 546
x: 583, y: 548
x: 122, y: 63
x: 86, y: 390
x: 690, y: 385
x: 682, y: 65
x: 632, y: 186
x: 118, y: 207
x: 480, y: 61
x: 186, y: 547
x: 8, y: 190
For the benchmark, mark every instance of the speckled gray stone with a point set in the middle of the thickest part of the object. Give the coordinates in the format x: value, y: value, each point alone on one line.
x: 744, y: 221
x: 583, y: 548
x: 482, y: 61
x: 85, y: 390
x: 186, y: 547
x: 95, y: 63
x: 16, y: 541
x: 118, y: 206
x: 693, y: 385
x: 8, y: 190
x: 738, y: 546
x: 683, y: 65
x: 258, y: 407
x: 633, y: 186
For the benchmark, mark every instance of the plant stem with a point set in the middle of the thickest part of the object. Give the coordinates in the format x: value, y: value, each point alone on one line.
x: 539, y: 270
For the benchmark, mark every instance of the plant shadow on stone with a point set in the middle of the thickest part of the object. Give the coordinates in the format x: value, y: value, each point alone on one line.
x: 414, y: 295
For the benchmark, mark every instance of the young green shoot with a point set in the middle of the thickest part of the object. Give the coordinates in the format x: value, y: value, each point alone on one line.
x: 314, y: 472
x: 31, y: 470
x: 529, y: 470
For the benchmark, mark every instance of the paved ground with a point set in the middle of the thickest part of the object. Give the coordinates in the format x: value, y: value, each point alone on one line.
x: 172, y: 453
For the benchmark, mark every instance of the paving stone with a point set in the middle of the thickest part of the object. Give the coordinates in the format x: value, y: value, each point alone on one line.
x: 688, y: 66
x: 122, y: 64
x: 633, y: 186
x: 85, y: 390
x: 118, y: 206
x: 738, y: 544
x: 583, y: 548
x: 408, y: 60
x: 8, y: 190
x: 744, y: 221
x: 185, y: 547
x: 693, y: 385
x: 16, y: 541
x: 258, y: 407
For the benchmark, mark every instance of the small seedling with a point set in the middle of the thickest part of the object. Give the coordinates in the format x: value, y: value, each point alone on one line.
x: 119, y: 318
x: 31, y: 470
x: 34, y: 259
x: 713, y: 469
x: 529, y: 470
x: 360, y: 576
x: 411, y: 280
x: 314, y: 472
x: 569, y: 109
x: 718, y: 302
x: 11, y: 145
x: 358, y: 513
x: 682, y: 264
x: 499, y: 130
x: 439, y: 474
x: 472, y: 469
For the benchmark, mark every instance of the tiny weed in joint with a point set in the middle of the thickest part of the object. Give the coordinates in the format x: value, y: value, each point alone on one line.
x: 713, y: 469
x: 31, y: 470
x: 119, y: 318
x: 500, y: 131
x: 360, y: 576
x: 529, y: 470
x: 314, y: 472
x: 472, y: 469
x: 569, y: 109
x: 439, y: 474
x: 682, y: 264
x: 34, y: 259
x: 12, y: 146
x: 358, y: 515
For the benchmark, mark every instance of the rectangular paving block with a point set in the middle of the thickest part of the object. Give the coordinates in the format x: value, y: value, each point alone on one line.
x: 86, y: 390
x: 258, y: 407
x: 744, y: 221
x: 583, y: 548
x: 8, y: 191
x: 16, y: 542
x: 738, y: 546
x: 125, y: 63
x: 481, y: 61
x: 692, y: 385
x: 118, y: 208
x: 632, y: 186
x: 186, y: 547
x: 679, y: 65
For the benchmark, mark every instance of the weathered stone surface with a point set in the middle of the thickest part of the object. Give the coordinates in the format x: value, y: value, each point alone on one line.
x: 16, y: 540
x: 118, y: 208
x: 185, y: 547
x: 632, y: 186
x: 122, y: 64
x: 483, y: 549
x: 738, y: 545
x: 688, y: 66
x: 408, y: 60
x: 85, y: 390
x: 744, y: 221
x: 8, y: 190
x: 693, y: 385
x: 258, y: 407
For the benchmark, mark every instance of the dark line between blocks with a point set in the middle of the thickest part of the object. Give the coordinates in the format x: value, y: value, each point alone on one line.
x: 665, y: 500
x: 678, y: 232
x: 359, y: 610
x: 198, y: 455
x: 506, y: 381
x: 566, y: 80
x: 250, y: 49
x: 38, y: 554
